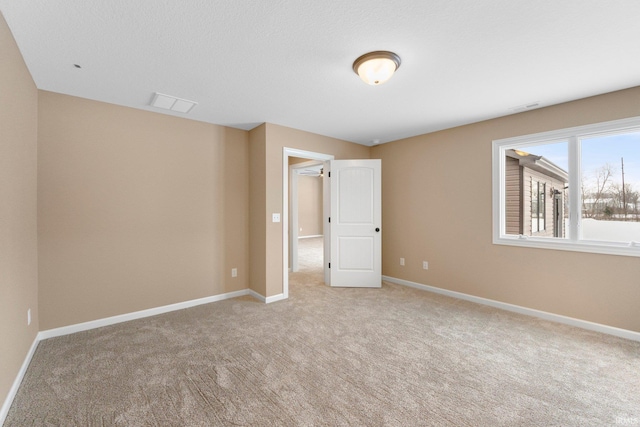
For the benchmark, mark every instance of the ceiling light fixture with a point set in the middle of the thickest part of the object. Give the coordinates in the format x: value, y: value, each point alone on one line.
x: 377, y: 67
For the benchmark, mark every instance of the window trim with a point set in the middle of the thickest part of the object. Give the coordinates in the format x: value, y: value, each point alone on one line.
x: 571, y: 242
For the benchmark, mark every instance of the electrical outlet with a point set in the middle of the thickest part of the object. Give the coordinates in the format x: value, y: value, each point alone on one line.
x: 276, y: 217
x: 425, y: 265
x: 28, y: 317
x: 401, y: 261
x: 234, y: 272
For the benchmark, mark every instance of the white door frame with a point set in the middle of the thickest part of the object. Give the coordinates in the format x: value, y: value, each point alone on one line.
x: 286, y: 153
x: 294, y: 174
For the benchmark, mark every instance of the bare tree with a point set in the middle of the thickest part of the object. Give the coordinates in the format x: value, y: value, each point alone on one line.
x: 625, y: 200
x: 595, y: 193
x: 634, y: 199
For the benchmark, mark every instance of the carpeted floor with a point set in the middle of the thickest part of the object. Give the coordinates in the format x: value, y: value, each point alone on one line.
x: 392, y: 356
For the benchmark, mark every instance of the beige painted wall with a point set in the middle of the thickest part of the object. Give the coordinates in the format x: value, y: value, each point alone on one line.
x: 258, y: 209
x: 309, y: 205
x: 436, y: 192
x: 278, y: 137
x: 18, y: 208
x: 135, y: 209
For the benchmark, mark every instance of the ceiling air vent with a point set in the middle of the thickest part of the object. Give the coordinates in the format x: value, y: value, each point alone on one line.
x: 525, y: 107
x: 172, y: 103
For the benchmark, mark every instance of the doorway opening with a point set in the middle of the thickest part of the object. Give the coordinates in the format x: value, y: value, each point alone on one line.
x: 287, y: 218
x: 306, y: 225
x: 306, y: 180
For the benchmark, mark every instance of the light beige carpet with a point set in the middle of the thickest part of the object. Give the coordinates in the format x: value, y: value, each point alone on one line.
x: 394, y: 356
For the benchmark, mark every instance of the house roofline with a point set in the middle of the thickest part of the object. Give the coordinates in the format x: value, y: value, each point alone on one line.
x: 539, y: 163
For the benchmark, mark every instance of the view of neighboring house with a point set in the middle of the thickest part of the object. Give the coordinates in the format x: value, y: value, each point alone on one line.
x: 536, y: 191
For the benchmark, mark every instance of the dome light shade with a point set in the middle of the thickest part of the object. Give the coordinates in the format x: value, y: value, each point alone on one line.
x: 377, y: 67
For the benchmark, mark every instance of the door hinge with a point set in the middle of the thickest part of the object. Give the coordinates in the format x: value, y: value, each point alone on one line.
x: 329, y: 174
x: 329, y: 265
x: 329, y: 219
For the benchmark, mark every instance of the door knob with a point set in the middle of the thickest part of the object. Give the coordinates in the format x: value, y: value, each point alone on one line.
x: 377, y: 230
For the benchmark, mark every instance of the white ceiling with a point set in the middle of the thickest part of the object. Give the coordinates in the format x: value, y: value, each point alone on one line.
x: 289, y: 62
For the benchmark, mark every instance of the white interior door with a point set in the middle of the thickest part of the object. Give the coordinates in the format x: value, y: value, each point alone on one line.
x: 355, y: 224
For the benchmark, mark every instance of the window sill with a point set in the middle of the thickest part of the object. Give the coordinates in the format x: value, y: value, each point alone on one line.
x: 597, y: 247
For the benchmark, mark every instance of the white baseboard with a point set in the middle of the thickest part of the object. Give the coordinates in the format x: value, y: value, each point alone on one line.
x: 257, y: 296
x: 266, y: 300
x: 66, y: 330
x: 310, y: 236
x: 275, y: 298
x: 16, y: 383
x: 584, y: 324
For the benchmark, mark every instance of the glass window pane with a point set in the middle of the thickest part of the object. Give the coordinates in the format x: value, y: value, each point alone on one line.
x: 610, y: 187
x: 536, y: 190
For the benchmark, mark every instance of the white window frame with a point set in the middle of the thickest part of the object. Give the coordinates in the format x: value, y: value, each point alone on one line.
x: 572, y: 242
